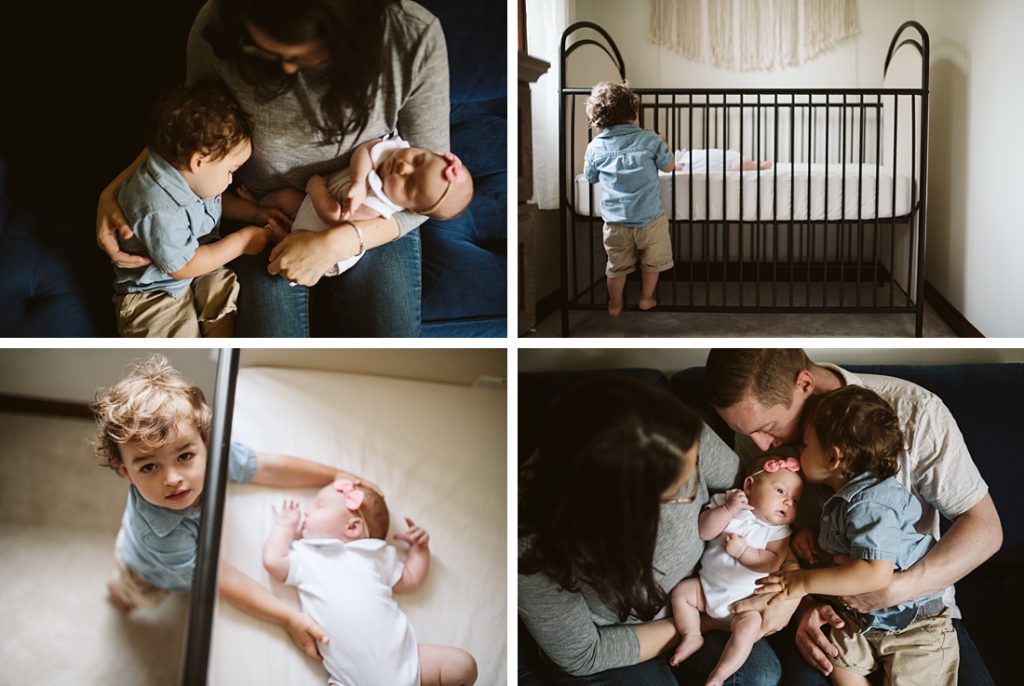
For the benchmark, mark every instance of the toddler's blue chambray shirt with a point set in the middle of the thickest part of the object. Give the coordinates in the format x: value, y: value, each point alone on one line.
x: 873, y: 519
x: 168, y: 220
x: 626, y: 160
x: 161, y: 544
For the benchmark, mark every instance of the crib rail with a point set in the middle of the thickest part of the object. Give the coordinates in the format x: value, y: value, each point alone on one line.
x: 835, y: 224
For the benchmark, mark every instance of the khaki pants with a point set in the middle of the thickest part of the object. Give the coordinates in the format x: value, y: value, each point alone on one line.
x: 925, y: 653
x: 207, y: 300
x: 132, y: 588
x: 651, y: 243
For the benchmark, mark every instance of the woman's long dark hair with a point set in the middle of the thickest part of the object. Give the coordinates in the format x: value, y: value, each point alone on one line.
x: 352, y: 30
x: 590, y: 508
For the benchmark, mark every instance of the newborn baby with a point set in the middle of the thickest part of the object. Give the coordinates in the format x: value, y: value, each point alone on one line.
x: 716, y: 159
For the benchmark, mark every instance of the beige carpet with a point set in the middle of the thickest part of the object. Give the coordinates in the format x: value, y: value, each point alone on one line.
x: 59, y: 514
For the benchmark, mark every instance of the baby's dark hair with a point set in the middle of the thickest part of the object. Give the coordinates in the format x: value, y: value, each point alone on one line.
x: 862, y: 425
x: 612, y: 103
x: 203, y: 118
x: 375, y: 513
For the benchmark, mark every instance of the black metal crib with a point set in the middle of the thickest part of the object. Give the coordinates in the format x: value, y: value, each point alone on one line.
x: 836, y: 224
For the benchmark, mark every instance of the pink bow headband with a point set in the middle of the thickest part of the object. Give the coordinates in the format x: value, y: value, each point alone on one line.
x: 772, y: 466
x: 353, y: 496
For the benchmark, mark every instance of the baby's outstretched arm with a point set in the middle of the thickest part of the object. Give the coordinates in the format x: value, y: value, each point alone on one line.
x: 418, y: 563
x: 275, y: 550
x: 360, y: 166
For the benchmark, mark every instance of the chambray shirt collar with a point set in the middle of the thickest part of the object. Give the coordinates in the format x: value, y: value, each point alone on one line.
x: 618, y: 130
x: 852, y: 488
x: 171, y: 180
x: 160, y: 519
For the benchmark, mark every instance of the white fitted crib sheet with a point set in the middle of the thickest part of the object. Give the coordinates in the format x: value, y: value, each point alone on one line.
x: 826, y: 190
x: 438, y: 453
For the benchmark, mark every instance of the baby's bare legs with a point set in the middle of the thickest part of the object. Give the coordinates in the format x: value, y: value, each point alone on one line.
x: 446, y: 666
x: 648, y: 284
x: 844, y: 677
x: 687, y: 604
x: 325, y: 204
x: 746, y: 629
x: 286, y: 199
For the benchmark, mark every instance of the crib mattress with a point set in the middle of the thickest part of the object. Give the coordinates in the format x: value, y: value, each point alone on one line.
x: 803, y: 192
x: 438, y: 452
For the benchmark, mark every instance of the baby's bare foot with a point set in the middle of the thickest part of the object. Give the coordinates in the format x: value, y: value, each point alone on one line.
x: 119, y: 602
x: 647, y: 303
x: 690, y: 644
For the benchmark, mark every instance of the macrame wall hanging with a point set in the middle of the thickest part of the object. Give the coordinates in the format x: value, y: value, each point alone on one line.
x: 752, y: 34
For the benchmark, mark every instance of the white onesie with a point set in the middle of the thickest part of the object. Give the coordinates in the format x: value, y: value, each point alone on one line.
x: 338, y: 183
x: 722, y: 577
x: 712, y: 159
x: 346, y: 589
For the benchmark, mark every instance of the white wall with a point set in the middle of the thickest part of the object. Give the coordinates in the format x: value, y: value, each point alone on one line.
x: 671, y: 361
x: 975, y: 218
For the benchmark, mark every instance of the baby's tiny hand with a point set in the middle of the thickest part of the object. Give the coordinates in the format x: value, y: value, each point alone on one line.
x: 353, y: 200
x: 289, y: 515
x: 735, y: 545
x: 737, y: 502
x: 415, y: 536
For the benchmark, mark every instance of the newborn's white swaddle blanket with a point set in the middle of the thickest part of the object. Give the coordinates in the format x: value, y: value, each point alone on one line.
x: 346, y: 589
x: 712, y: 159
x: 338, y: 183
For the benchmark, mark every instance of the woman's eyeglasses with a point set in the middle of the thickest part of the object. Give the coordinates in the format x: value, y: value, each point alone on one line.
x: 684, y: 500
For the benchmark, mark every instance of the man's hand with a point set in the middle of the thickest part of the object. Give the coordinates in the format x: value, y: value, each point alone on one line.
x: 789, y: 585
x: 306, y: 634
x: 735, y: 545
x: 812, y: 643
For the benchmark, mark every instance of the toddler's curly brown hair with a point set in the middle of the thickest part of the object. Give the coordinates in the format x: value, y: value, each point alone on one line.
x: 862, y: 425
x: 203, y: 119
x: 147, y: 406
x: 612, y: 103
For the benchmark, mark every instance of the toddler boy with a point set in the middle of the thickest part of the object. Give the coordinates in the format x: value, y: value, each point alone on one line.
x: 626, y: 160
x: 200, y: 136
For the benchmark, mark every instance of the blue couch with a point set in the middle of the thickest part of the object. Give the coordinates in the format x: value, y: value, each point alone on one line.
x: 82, y: 105
x: 986, y: 401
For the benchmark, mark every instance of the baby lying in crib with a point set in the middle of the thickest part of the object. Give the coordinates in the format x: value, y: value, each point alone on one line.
x: 716, y: 159
x: 345, y: 572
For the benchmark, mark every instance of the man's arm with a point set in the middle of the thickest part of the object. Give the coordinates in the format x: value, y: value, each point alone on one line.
x: 252, y: 599
x: 974, y: 537
x: 285, y: 471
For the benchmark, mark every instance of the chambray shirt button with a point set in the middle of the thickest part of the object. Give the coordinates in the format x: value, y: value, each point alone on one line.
x: 824, y: 518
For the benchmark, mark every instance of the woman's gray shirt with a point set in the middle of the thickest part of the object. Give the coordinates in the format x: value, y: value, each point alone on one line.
x: 287, y: 149
x: 579, y: 632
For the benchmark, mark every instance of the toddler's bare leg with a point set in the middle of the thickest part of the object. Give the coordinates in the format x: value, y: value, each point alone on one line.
x: 286, y: 199
x: 325, y: 204
x: 446, y: 666
x: 648, y: 284
x: 616, y: 285
x: 844, y: 677
x: 687, y: 604
x: 746, y: 629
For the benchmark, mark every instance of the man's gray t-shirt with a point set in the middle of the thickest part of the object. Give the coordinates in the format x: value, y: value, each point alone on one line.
x: 287, y: 148
x: 582, y: 635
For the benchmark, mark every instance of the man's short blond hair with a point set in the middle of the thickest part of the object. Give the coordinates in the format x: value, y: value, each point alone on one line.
x: 612, y: 103
x: 147, y: 406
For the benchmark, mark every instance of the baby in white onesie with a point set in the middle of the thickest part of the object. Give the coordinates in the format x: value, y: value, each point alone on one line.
x: 715, y: 159
x: 345, y: 572
x: 385, y: 175
x: 748, y: 533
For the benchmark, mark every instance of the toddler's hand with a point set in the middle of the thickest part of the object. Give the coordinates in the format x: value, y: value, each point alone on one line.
x: 266, y: 215
x: 791, y: 585
x: 737, y: 502
x: 805, y: 545
x: 415, y: 536
x: 735, y: 545
x: 289, y: 515
x: 353, y: 200
x: 257, y: 238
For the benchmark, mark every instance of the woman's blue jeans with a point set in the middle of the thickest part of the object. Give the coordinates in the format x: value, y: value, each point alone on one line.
x: 379, y: 296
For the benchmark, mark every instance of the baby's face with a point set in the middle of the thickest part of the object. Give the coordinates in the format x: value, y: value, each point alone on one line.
x: 328, y: 517
x: 214, y: 176
x: 414, y: 178
x: 171, y: 475
x: 774, y: 495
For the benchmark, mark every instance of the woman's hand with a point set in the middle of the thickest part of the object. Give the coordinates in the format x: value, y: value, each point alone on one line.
x: 111, y: 224
x: 306, y: 634
x: 304, y: 257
